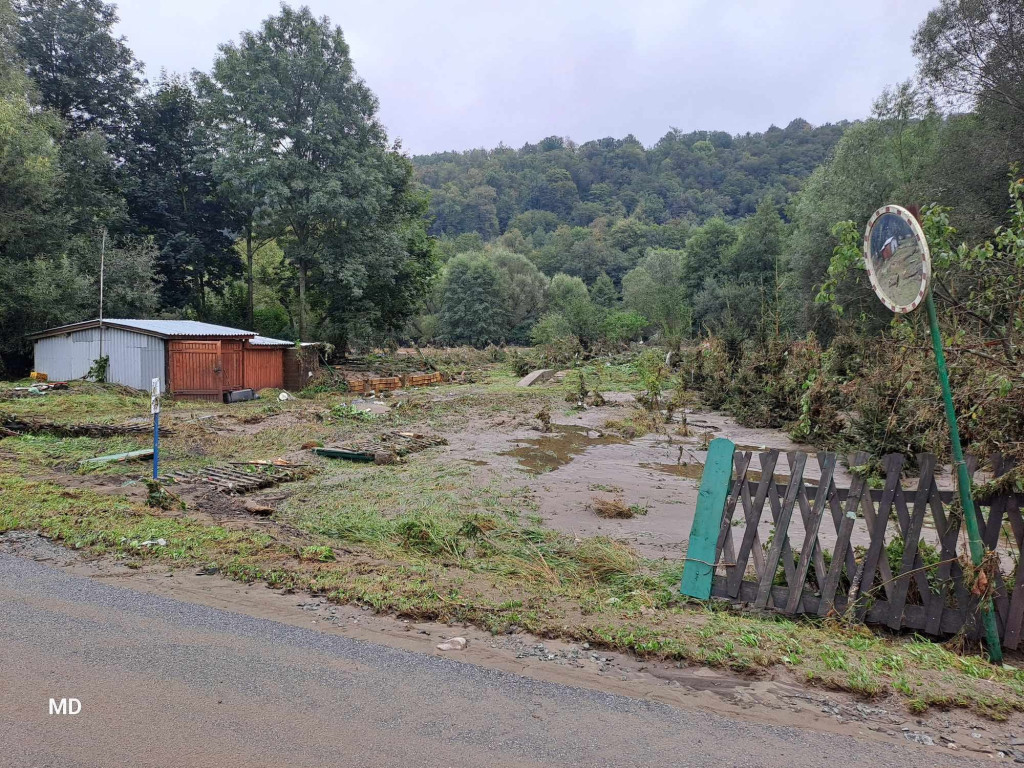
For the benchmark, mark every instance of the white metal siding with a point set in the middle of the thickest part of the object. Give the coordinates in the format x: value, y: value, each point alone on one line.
x: 135, y: 358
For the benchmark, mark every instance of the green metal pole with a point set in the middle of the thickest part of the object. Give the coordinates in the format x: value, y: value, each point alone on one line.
x: 963, y: 483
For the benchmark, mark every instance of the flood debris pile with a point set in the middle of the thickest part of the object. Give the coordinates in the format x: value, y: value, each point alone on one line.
x: 616, y: 508
x: 11, y: 426
x: 386, y: 448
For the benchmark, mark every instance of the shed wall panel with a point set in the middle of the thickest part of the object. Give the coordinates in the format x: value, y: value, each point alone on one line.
x: 135, y: 359
x: 264, y: 368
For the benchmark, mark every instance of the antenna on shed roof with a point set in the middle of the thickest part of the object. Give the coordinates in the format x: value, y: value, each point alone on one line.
x: 103, y: 253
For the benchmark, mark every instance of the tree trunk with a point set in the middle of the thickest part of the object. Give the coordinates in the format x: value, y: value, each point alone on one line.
x: 249, y: 259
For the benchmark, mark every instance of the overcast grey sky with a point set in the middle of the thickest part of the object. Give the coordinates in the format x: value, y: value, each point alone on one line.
x: 458, y: 74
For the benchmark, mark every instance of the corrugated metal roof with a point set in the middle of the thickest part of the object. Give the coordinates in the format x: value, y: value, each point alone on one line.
x: 180, y: 328
x: 168, y: 329
x: 266, y: 341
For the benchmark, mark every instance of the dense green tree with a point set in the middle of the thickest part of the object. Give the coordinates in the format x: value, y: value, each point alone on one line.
x: 566, y: 290
x: 473, y: 309
x: 330, y: 172
x: 604, y: 293
x: 657, y: 289
x: 80, y: 69
x: 173, y: 195
x: 524, y: 288
x: 706, y: 251
x: 969, y: 52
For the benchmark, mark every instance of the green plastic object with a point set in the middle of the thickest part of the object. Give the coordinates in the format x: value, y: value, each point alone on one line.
x: 699, y: 570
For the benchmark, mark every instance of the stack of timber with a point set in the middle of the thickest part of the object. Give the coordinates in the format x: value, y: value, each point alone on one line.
x: 386, y: 449
x: 377, y: 384
x: 369, y: 383
x: 233, y: 478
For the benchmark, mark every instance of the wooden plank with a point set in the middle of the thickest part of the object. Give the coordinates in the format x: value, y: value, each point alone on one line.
x: 338, y: 453
x: 836, y: 507
x: 756, y: 551
x: 1015, y: 614
x: 775, y: 498
x: 911, y: 539
x: 753, y: 513
x: 843, y: 552
x: 699, y: 568
x: 990, y: 532
x: 947, y: 529
x: 781, y: 536
x: 877, y: 524
x: 811, y: 525
x: 726, y: 549
x: 816, y: 556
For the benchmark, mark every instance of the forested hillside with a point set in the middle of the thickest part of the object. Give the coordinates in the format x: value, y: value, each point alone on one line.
x: 711, y: 233
x: 689, y: 176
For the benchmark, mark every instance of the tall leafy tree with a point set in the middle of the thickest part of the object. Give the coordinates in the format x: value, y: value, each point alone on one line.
x: 173, y: 195
x: 243, y: 173
x: 971, y: 53
x: 657, y: 290
x: 313, y: 125
x: 81, y: 70
x: 473, y: 309
x: 604, y: 293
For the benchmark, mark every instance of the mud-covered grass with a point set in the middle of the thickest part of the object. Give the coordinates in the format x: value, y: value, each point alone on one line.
x: 433, y: 539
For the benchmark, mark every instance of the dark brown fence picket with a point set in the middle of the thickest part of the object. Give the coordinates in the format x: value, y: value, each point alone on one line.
x: 924, y: 591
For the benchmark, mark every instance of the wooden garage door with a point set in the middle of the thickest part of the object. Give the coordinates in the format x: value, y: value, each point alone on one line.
x: 233, y: 364
x: 195, y: 369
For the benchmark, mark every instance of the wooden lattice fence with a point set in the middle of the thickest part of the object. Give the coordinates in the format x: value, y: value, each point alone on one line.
x: 893, y: 555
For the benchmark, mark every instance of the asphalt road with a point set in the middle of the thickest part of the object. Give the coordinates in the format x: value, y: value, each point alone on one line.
x: 164, y: 683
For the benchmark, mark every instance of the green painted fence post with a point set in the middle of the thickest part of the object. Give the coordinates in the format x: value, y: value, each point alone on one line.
x: 699, y: 570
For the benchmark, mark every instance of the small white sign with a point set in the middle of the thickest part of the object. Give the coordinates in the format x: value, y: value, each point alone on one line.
x: 154, y: 397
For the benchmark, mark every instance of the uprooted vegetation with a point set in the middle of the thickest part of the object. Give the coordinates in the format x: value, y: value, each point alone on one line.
x: 435, y: 539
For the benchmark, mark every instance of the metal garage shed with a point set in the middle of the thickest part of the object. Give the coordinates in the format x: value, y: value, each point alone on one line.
x: 192, y: 360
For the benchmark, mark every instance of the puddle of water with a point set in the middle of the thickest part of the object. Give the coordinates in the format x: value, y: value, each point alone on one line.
x: 692, y: 471
x: 538, y: 455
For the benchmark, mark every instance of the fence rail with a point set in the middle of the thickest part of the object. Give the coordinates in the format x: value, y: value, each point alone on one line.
x: 893, y: 555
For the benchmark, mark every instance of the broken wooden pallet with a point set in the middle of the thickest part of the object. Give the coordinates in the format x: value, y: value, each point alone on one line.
x: 231, y: 479
x: 385, y: 449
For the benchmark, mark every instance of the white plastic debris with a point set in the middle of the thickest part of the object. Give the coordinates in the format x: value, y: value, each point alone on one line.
x: 453, y: 644
x: 154, y: 543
